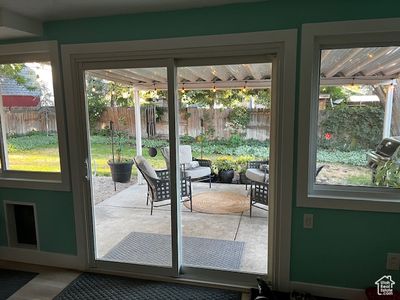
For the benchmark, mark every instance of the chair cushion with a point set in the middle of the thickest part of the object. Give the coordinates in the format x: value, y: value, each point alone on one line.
x: 185, y: 155
x: 192, y: 165
x: 145, y: 166
x: 257, y: 175
x: 198, y: 172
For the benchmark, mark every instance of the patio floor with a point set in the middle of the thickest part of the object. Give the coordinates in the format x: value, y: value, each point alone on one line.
x: 126, y: 212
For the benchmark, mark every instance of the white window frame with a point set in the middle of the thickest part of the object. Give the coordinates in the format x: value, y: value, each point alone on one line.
x: 26, y: 52
x: 335, y: 35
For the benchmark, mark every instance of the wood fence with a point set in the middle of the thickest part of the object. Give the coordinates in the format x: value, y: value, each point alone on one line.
x: 25, y: 120
x: 28, y: 119
x: 189, y: 122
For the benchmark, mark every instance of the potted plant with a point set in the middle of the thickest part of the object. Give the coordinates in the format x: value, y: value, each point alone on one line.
x: 121, y: 168
x: 241, y: 167
x: 225, y: 166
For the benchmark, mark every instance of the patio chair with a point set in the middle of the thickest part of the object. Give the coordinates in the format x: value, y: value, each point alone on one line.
x: 196, y: 169
x: 257, y: 174
x: 158, y: 184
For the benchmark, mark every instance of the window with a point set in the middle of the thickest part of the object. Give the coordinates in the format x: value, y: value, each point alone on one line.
x: 349, y: 116
x: 31, y: 114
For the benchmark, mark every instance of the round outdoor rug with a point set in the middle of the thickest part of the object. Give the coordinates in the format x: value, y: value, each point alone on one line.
x: 219, y: 203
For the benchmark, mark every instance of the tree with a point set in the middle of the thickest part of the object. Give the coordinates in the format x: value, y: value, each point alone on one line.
x: 96, y: 96
x: 335, y: 92
x: 13, y: 71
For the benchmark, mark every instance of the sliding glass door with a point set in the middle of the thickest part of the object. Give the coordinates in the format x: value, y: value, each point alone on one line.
x: 178, y: 164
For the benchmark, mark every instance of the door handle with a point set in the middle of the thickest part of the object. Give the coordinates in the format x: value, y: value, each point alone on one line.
x: 87, y: 169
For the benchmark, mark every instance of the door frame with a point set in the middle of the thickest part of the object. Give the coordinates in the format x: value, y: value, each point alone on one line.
x: 280, y: 44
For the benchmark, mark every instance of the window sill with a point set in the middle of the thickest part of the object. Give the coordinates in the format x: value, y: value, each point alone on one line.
x: 35, y: 183
x: 351, y: 201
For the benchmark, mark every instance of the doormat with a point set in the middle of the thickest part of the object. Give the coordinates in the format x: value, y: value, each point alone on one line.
x: 155, y: 249
x: 219, y: 203
x: 99, y: 287
x: 12, y: 280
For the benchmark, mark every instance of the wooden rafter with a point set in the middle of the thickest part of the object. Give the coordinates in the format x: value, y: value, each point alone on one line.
x: 359, y: 67
x: 343, y: 61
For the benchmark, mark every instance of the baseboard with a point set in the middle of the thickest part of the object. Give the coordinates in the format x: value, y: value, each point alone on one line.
x: 43, y: 258
x: 329, y: 291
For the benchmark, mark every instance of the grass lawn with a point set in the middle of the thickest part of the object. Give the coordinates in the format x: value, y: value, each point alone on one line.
x: 47, y: 159
x: 39, y: 152
x: 41, y: 160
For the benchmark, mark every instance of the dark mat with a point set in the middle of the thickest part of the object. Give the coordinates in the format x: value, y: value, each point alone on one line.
x: 11, y: 281
x: 155, y: 249
x: 99, y: 287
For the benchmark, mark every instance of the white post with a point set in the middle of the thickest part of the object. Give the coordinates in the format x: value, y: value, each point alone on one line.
x: 388, y: 110
x: 3, y: 135
x: 138, y: 129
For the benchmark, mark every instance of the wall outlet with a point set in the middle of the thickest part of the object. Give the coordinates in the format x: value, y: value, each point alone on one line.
x: 393, y: 261
x: 308, y: 221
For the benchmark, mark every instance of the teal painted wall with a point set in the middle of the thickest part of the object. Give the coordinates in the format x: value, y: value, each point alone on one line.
x: 269, y: 15
x: 345, y: 248
x: 55, y: 215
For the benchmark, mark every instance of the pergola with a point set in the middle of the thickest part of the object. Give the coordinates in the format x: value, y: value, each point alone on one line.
x: 366, y: 66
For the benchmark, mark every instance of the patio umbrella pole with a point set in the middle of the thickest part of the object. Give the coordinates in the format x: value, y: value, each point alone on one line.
x: 112, y: 150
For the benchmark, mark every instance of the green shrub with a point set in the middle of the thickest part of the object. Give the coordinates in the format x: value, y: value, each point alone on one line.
x: 239, y: 118
x: 154, y: 143
x: 224, y: 163
x: 388, y: 174
x: 355, y: 158
x: 187, y: 140
x: 242, y: 161
x: 349, y: 128
x: 32, y: 140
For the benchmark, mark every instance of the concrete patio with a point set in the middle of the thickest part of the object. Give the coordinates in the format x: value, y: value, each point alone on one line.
x: 126, y: 212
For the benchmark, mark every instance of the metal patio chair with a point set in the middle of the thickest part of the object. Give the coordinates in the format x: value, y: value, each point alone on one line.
x: 196, y: 169
x: 158, y: 184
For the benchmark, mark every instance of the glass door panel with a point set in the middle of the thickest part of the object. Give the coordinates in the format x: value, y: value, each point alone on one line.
x: 128, y: 118
x: 224, y: 150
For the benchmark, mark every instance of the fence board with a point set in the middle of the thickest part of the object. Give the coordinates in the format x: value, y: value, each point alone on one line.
x: 189, y: 123
x: 25, y: 120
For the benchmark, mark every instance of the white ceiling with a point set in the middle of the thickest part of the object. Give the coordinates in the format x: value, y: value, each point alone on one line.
x: 45, y: 10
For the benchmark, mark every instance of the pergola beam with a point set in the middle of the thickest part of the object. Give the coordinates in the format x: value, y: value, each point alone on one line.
x: 128, y: 74
x: 103, y: 75
x: 201, y: 75
x: 186, y: 74
x: 221, y: 72
x: 324, y: 55
x: 393, y: 71
x: 150, y: 75
x: 254, y: 71
x: 386, y: 68
x: 235, y: 70
x: 361, y: 66
x: 367, y: 80
x: 344, y: 60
